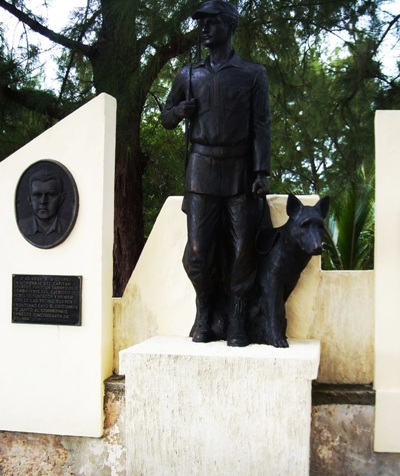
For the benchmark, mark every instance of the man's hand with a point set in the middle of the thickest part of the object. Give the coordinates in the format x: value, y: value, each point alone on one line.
x: 260, y: 185
x: 185, y: 109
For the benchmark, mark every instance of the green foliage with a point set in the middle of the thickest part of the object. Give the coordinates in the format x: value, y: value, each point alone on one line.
x: 322, y: 101
x: 164, y: 150
x: 20, y: 125
x: 165, y: 157
x: 350, y: 226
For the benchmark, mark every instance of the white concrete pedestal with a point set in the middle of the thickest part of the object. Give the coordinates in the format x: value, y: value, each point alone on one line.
x: 209, y: 409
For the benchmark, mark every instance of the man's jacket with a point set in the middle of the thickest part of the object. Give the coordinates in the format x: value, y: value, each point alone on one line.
x: 230, y: 130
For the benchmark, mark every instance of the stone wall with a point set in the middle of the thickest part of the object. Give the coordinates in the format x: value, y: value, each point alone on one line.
x: 32, y: 454
x: 341, y: 441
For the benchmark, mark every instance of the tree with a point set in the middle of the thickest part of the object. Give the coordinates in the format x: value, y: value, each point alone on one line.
x: 130, y: 42
x: 122, y: 47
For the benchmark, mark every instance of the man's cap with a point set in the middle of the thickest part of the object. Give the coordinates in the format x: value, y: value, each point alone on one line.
x: 214, y: 7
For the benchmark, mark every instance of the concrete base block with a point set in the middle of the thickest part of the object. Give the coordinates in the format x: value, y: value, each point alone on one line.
x: 212, y: 409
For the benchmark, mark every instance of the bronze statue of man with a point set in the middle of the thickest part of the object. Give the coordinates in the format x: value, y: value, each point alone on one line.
x: 226, y: 99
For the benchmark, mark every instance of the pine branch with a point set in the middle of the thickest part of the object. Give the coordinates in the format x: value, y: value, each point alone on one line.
x: 41, y: 102
x: 386, y: 32
x: 177, y: 45
x: 73, y: 52
x: 34, y: 25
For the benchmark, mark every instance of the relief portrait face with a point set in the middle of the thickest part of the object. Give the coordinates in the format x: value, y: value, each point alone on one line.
x: 46, y: 203
x: 46, y: 198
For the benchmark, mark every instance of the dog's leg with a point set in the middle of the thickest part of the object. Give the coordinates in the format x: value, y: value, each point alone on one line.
x: 274, y: 317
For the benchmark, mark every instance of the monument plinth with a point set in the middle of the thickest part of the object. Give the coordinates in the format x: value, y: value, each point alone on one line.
x: 56, y: 320
x: 211, y: 409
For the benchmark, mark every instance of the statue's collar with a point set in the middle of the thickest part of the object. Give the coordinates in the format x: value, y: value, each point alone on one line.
x: 234, y: 60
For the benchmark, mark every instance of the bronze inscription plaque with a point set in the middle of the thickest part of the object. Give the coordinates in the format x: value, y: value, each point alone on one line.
x: 46, y: 299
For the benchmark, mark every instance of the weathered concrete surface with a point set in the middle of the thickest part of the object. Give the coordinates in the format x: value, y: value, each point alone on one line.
x: 343, y: 320
x: 29, y: 454
x: 347, y: 394
x: 342, y: 443
x: 231, y: 411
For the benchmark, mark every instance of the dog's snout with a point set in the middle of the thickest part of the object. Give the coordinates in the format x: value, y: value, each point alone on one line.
x: 317, y: 249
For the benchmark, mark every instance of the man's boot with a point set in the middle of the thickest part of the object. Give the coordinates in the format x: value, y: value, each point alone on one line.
x: 236, y: 334
x: 202, y: 331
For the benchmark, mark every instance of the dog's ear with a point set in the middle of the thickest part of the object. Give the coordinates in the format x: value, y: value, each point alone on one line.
x: 293, y: 205
x: 323, y: 206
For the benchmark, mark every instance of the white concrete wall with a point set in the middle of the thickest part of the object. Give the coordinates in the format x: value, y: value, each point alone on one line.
x: 343, y: 320
x: 52, y: 376
x: 387, y: 288
x: 334, y: 307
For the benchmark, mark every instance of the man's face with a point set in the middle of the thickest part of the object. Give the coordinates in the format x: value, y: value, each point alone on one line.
x: 45, y: 198
x: 214, y: 31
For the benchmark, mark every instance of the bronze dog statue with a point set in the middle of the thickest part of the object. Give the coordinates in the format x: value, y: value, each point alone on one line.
x: 289, y: 248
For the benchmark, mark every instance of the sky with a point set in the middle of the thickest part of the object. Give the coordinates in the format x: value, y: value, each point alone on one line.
x: 57, y: 15
x: 390, y: 51
x: 58, y: 11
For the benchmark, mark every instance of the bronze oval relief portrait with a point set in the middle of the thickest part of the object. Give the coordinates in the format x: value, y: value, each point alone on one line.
x: 46, y: 203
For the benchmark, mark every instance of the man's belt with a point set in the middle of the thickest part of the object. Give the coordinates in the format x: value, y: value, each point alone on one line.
x: 221, y: 151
